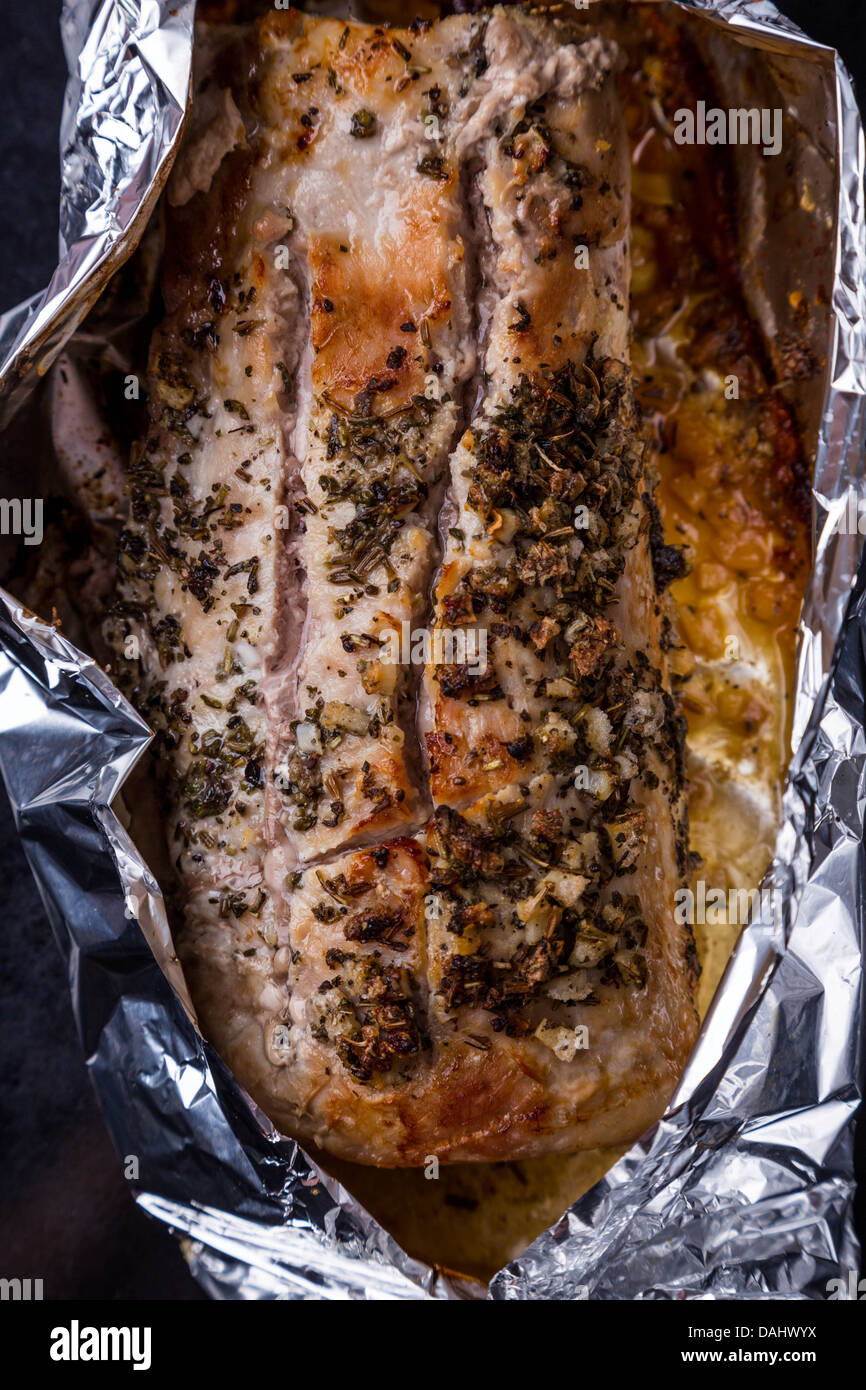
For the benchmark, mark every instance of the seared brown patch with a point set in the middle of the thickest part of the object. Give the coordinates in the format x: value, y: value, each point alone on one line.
x: 459, y: 770
x: 362, y: 298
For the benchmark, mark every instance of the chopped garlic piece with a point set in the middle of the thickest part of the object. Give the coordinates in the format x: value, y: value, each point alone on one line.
x: 564, y: 1043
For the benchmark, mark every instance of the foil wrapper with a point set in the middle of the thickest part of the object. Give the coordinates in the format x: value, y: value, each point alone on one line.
x: 744, y: 1189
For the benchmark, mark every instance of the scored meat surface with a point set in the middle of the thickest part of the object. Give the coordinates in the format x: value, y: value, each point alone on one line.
x: 387, y: 590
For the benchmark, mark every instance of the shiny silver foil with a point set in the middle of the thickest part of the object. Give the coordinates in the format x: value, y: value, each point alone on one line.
x: 744, y: 1190
x: 129, y: 83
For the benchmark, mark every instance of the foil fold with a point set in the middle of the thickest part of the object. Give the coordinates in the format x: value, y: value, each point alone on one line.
x: 130, y: 64
x: 744, y: 1190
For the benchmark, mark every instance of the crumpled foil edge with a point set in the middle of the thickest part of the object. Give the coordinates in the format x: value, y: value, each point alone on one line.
x: 130, y: 67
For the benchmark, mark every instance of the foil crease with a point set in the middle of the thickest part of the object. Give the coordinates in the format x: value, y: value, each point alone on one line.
x: 744, y: 1190
x: 130, y: 64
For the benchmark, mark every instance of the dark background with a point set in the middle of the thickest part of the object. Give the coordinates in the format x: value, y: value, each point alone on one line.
x: 65, y: 1214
